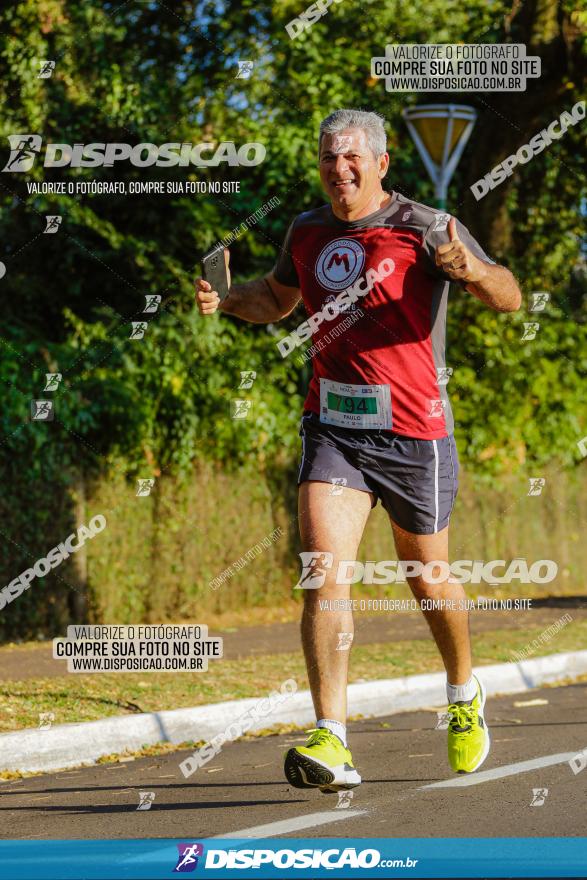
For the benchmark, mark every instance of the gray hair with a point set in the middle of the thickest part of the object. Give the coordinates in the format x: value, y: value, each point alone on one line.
x: 370, y: 123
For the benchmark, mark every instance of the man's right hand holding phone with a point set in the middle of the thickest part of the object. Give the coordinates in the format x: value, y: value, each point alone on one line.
x: 207, y: 299
x: 260, y: 301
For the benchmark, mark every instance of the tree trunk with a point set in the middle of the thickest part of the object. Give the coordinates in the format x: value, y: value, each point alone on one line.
x: 78, y: 602
x: 507, y: 120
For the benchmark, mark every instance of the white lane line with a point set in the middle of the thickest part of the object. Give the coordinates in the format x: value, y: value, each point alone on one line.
x: 500, y: 772
x: 298, y: 823
x: 272, y: 829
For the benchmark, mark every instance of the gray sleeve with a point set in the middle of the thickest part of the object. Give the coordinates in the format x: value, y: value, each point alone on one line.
x: 284, y: 270
x: 437, y: 234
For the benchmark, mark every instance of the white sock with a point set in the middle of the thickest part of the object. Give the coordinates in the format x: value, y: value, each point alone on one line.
x: 335, y: 727
x: 461, y: 693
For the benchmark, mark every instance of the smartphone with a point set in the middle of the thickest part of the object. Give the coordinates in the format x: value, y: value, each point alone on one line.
x: 214, y: 272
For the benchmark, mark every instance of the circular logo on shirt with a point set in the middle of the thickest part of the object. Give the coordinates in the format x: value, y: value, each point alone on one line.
x: 340, y: 263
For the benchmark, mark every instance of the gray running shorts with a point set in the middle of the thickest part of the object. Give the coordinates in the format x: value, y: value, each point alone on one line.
x: 416, y: 480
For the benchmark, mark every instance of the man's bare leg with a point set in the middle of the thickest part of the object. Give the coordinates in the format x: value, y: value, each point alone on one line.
x: 449, y: 628
x: 333, y: 524
x: 468, y: 736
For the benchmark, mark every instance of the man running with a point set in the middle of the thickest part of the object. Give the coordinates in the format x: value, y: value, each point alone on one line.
x: 377, y: 421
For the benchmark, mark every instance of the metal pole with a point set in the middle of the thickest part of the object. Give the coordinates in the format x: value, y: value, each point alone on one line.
x: 441, y: 171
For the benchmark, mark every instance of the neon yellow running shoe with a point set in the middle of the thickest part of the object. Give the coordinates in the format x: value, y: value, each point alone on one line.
x: 468, y: 737
x: 322, y: 763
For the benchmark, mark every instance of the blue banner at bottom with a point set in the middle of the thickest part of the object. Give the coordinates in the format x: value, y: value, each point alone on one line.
x: 528, y: 857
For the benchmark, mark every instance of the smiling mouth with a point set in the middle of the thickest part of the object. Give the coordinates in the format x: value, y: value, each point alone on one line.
x: 346, y: 181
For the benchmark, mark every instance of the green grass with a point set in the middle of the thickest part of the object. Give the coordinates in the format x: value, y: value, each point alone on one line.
x: 75, y: 698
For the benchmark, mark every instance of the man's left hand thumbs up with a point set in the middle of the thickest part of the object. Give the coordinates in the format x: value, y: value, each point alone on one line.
x: 455, y: 259
x: 452, y: 230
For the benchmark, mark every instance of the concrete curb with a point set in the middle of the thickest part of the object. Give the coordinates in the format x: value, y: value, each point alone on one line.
x: 69, y: 745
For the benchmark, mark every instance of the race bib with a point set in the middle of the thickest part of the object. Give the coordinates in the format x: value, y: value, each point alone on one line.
x: 355, y: 406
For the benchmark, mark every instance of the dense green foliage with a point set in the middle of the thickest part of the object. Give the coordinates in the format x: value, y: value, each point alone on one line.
x: 156, y: 72
x: 150, y: 73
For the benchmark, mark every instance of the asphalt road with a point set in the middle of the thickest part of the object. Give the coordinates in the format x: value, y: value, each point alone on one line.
x: 242, y: 792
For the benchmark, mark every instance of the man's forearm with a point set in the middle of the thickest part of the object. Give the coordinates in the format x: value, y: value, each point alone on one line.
x: 497, y: 288
x: 253, y: 301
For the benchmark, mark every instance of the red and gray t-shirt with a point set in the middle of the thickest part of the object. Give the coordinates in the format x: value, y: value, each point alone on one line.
x: 399, y: 341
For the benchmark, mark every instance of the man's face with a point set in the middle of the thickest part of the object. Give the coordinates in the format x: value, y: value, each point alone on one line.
x: 350, y: 173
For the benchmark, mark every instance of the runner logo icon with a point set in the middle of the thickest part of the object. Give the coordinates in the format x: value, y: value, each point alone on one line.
x: 314, y: 565
x: 24, y: 149
x: 340, y: 263
x: 441, y: 222
x: 188, y: 857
